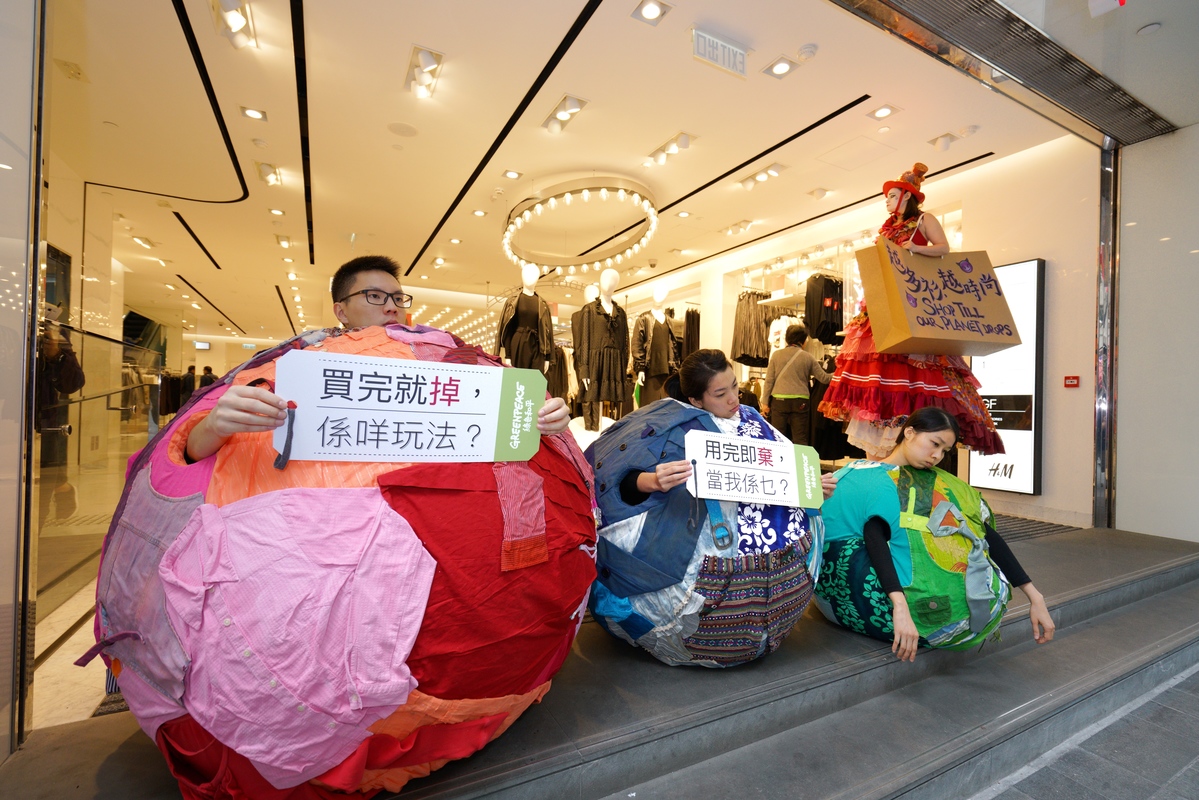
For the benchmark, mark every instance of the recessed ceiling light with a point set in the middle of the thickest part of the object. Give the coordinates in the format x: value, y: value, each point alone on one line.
x: 295, y: 288
x: 1152, y: 27
x: 1164, y: 239
x: 568, y: 294
x: 288, y: 260
x: 684, y: 214
x: 283, y: 241
x: 883, y: 112
x: 296, y: 298
x: 424, y: 277
x: 278, y: 212
x: 253, y: 113
x: 779, y: 67
x: 511, y: 174
x: 1129, y: 224
x: 455, y: 241
x: 885, y: 129
x: 169, y: 286
x: 651, y: 11
x: 438, y: 261
x: 146, y: 243
x: 479, y: 213
x: 195, y: 305
x: 291, y: 276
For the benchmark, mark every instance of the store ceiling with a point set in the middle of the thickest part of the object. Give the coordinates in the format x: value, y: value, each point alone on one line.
x: 391, y: 173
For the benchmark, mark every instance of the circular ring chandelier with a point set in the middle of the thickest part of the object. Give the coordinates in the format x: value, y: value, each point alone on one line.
x: 587, y: 190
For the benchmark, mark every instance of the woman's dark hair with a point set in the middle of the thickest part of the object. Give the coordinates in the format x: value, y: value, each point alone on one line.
x: 696, y: 371
x: 931, y: 419
x: 796, y: 334
x: 910, y: 209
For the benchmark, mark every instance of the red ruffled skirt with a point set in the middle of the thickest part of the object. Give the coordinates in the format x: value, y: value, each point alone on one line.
x: 878, y: 388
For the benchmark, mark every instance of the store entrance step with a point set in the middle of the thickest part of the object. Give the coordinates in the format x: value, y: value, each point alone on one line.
x: 954, y: 733
x: 617, y: 718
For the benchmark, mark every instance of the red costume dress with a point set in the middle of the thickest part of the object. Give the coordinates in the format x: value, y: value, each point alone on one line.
x: 874, y: 392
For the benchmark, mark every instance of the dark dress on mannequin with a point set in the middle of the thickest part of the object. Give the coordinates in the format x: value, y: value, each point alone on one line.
x: 603, y: 358
x: 659, y: 363
x: 522, y: 347
x: 653, y: 354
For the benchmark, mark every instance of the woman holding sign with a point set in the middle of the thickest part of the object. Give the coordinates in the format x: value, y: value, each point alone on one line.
x: 911, y: 554
x: 697, y: 582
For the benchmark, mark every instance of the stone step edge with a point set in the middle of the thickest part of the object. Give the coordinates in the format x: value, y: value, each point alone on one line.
x: 799, y: 698
x: 988, y: 753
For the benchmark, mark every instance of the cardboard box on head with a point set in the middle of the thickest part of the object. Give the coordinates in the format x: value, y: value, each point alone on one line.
x: 948, y: 305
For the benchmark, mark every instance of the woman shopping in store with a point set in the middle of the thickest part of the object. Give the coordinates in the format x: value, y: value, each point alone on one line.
x: 911, y: 554
x: 706, y: 583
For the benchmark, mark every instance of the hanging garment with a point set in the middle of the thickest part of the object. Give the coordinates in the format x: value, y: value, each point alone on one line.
x: 823, y: 311
x: 938, y: 547
x: 751, y: 326
x: 691, y: 334
x: 653, y: 355
x: 673, y: 577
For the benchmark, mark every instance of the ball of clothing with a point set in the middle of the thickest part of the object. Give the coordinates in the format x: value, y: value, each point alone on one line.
x: 695, y: 582
x: 337, y: 626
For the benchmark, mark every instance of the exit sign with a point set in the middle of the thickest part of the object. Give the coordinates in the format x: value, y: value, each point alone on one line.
x: 720, y: 53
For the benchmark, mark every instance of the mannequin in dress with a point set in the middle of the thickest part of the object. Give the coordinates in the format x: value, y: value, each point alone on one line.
x: 525, y: 335
x: 603, y: 351
x: 653, y: 349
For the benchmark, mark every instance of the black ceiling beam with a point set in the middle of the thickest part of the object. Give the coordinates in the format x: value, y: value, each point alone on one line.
x: 825, y: 119
x: 214, y: 305
x: 571, y: 35
x: 794, y: 225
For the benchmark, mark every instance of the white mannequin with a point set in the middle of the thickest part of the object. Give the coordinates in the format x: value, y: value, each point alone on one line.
x: 609, y: 280
x: 528, y: 278
x: 660, y: 315
x: 529, y: 274
x: 591, y: 292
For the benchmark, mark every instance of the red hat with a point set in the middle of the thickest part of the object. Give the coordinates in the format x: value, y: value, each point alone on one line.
x: 909, y: 181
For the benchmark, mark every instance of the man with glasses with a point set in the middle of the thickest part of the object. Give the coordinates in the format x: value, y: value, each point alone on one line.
x: 366, y: 291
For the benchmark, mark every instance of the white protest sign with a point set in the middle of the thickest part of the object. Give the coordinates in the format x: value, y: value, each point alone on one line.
x: 363, y: 408
x: 753, y: 470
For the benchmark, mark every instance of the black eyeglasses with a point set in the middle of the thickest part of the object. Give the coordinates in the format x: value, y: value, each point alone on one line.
x: 378, y: 297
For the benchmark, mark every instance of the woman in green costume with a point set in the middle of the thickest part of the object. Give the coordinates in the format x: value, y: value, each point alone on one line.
x: 911, y: 553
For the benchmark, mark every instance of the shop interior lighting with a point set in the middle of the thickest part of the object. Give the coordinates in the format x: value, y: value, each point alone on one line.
x: 678, y: 143
x: 478, y: 212
x: 234, y: 22
x: 882, y: 112
x: 511, y: 174
x: 288, y: 261
x: 278, y: 212
x: 455, y: 241
x: 651, y: 11
x: 683, y: 214
x: 761, y: 176
x: 146, y: 243
x: 567, y: 109
x: 424, y: 70
x: 253, y: 113
x: 780, y: 67
x: 738, y: 227
x: 269, y: 174
x: 943, y: 141
x: 284, y: 241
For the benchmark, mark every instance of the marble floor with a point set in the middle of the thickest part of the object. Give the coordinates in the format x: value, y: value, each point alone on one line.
x: 63, y: 692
